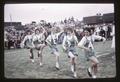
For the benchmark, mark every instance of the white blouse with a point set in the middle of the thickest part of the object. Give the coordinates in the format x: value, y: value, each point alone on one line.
x: 39, y: 37
x: 91, y: 39
x: 53, y: 37
x: 68, y: 39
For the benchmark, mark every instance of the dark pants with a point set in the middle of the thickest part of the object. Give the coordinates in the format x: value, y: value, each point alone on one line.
x: 108, y: 35
x: 31, y: 56
x: 10, y: 43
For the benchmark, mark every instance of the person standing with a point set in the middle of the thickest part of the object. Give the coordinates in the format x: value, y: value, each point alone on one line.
x: 39, y: 42
x: 105, y: 28
x: 69, y: 43
x: 86, y: 43
x: 28, y: 43
x: 52, y: 42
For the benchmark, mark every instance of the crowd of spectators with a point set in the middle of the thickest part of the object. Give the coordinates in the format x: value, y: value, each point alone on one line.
x: 13, y: 37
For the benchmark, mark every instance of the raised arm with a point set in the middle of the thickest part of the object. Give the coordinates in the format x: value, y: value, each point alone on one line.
x: 63, y: 44
x: 48, y: 40
x: 81, y: 44
x: 43, y: 30
x: 76, y: 39
x: 23, y: 41
x: 32, y: 41
x: 60, y: 32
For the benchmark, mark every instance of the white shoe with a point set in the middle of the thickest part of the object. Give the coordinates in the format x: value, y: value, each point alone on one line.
x: 72, y: 68
x: 89, y: 72
x: 94, y: 76
x: 75, y: 75
x: 57, y: 65
x: 32, y: 60
x: 41, y: 64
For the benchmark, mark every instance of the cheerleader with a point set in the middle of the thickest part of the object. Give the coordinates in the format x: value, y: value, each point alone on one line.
x: 39, y: 41
x: 52, y: 41
x: 28, y: 43
x: 86, y: 43
x: 69, y: 43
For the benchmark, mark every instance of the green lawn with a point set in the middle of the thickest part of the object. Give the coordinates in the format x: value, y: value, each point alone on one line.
x: 18, y: 65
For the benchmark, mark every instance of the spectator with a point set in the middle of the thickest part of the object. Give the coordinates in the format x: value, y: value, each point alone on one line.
x: 105, y: 29
x: 108, y: 32
x: 102, y: 32
x: 5, y: 39
x: 10, y: 40
x: 78, y: 33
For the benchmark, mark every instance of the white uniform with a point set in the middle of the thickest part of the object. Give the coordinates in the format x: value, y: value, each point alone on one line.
x: 97, y: 30
x: 87, y: 41
x: 105, y: 28
x: 69, y: 43
x: 27, y: 42
x: 38, y: 39
x: 52, y: 41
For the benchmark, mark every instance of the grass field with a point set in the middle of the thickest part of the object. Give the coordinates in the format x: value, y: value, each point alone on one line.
x: 18, y: 65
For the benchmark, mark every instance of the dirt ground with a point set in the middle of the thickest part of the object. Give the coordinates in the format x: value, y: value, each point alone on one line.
x: 18, y: 65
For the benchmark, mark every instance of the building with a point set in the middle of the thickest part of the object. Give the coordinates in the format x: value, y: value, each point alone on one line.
x: 108, y: 18
x: 12, y: 24
x: 16, y: 25
x: 98, y: 19
x: 92, y: 20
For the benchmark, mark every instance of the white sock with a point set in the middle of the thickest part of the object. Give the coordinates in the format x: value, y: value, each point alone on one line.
x: 72, y: 68
x: 41, y: 64
x: 57, y: 64
x: 29, y: 55
x: 90, y: 70
x: 32, y: 60
x: 94, y: 76
x: 75, y: 74
x: 39, y: 52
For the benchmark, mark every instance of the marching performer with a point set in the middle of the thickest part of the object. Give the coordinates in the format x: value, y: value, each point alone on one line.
x: 52, y: 41
x: 86, y: 43
x: 39, y: 41
x: 69, y: 43
x: 28, y: 43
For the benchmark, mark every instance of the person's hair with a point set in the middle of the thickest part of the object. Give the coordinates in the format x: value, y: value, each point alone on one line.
x: 26, y: 32
x: 58, y: 29
x: 53, y: 29
x: 88, y: 29
x: 36, y: 30
x: 70, y: 29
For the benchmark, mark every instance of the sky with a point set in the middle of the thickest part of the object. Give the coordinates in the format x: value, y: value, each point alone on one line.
x: 26, y: 13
